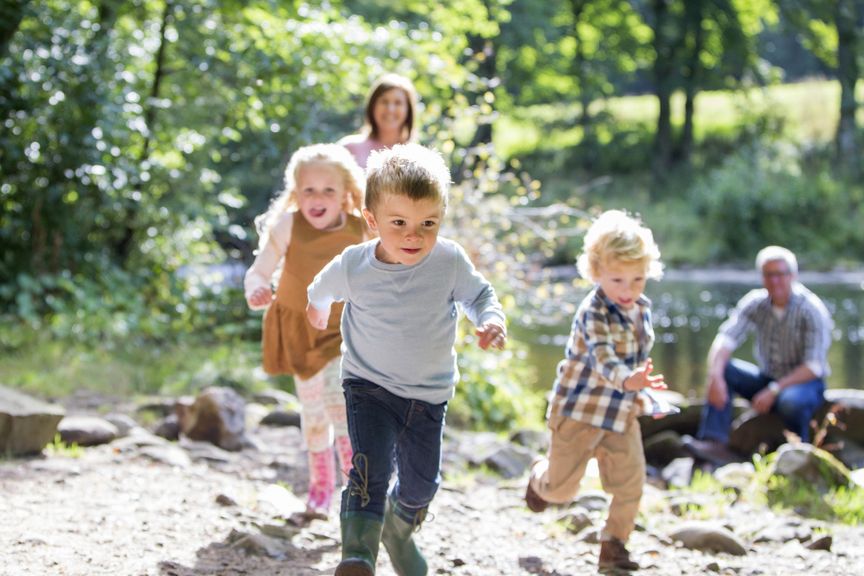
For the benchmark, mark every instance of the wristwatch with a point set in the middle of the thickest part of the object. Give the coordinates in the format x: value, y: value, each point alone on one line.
x: 774, y: 387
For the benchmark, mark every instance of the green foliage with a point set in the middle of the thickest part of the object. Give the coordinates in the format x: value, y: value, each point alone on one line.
x: 768, y: 194
x: 62, y: 449
x: 492, y: 394
x: 841, y: 503
x: 41, y: 364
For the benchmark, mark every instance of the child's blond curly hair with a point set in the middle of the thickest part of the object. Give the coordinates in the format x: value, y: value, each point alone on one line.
x: 618, y: 237
x: 334, y: 155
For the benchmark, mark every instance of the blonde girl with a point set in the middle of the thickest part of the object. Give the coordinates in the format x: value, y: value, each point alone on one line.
x: 388, y: 117
x: 310, y: 222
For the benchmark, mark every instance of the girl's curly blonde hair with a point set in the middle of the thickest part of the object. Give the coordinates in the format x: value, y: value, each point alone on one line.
x: 334, y: 155
x: 616, y: 236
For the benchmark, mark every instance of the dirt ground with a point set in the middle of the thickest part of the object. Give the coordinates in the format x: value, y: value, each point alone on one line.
x: 116, y: 510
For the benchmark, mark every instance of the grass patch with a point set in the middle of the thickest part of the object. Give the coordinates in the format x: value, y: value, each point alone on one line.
x: 62, y: 449
x: 809, y: 111
x: 55, y: 368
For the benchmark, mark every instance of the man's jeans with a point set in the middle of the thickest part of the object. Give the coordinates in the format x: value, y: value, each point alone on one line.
x: 385, y: 428
x: 795, y: 404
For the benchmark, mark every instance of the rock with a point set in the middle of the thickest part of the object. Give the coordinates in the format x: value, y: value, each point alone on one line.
x: 26, y: 424
x: 534, y: 440
x: 275, y: 397
x: 849, y: 410
x: 783, y: 532
x: 511, y: 461
x: 217, y: 415
x: 487, y: 449
x: 811, y: 465
x: 708, y: 537
x: 678, y: 473
x: 167, y: 454
x: 168, y: 428
x: 261, y: 545
x: 849, y: 452
x: 737, y: 475
x: 225, y: 500
x: 753, y: 432
x: 277, y: 500
x: 281, y: 418
x: 160, y: 406
x: 593, y: 501
x: 576, y: 520
x: 823, y: 543
x: 663, y: 447
x: 123, y: 422
x: 86, y: 431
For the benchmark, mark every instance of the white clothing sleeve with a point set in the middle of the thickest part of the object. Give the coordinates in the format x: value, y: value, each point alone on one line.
x: 260, y: 274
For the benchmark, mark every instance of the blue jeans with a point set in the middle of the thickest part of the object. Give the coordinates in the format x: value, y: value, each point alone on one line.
x: 795, y: 405
x: 387, y: 429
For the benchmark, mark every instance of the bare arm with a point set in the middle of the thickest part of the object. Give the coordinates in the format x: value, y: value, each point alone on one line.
x: 718, y: 358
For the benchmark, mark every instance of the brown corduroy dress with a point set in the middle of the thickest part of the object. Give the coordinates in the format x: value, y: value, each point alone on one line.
x: 290, y: 344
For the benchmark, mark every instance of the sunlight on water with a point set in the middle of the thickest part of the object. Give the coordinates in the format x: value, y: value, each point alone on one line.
x: 686, y: 318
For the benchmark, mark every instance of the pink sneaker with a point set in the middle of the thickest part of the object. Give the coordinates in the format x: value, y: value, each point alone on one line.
x: 322, y: 480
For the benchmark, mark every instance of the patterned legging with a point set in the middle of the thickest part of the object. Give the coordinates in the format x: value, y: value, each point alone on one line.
x: 323, y: 418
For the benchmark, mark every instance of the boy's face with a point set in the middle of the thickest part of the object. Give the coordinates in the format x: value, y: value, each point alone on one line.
x: 407, y: 229
x: 321, y: 193
x: 623, y: 282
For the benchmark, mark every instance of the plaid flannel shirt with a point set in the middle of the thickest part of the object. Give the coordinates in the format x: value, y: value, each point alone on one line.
x: 603, y: 350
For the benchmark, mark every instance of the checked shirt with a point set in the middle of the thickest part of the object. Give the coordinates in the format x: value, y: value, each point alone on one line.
x: 604, y: 348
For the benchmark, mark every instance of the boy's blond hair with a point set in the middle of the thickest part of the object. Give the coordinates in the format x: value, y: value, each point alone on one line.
x: 334, y: 155
x: 618, y: 237
x: 408, y: 170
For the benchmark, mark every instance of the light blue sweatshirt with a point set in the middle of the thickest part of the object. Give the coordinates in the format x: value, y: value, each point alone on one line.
x: 399, y: 322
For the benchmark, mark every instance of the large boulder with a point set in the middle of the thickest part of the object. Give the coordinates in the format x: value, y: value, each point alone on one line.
x: 26, y: 424
x: 811, y: 465
x: 753, y: 432
x: 217, y: 415
x: 848, y: 406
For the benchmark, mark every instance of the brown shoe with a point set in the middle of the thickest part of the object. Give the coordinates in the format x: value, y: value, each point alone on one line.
x: 534, y: 502
x: 614, y: 556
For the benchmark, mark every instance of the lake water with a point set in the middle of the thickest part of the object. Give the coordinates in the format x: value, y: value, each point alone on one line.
x: 687, y: 314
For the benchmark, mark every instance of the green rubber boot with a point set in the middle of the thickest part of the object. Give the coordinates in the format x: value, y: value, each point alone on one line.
x: 397, y: 538
x: 360, y: 538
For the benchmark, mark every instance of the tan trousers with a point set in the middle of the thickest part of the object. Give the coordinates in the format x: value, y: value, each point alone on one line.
x: 621, y: 461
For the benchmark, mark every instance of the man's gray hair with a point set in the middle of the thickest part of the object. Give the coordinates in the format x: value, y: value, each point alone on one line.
x: 775, y: 253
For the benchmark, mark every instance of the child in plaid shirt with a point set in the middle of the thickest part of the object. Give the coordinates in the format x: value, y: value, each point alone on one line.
x: 595, y: 405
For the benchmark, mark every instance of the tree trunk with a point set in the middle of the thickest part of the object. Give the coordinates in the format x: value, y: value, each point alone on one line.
x: 693, y: 14
x: 663, y: 84
x: 586, y: 96
x: 847, y: 72
x: 124, y: 245
x: 11, y: 15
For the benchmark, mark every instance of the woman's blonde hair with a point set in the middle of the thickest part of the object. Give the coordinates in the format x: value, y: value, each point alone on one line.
x: 384, y: 84
x: 616, y: 236
x: 334, y: 155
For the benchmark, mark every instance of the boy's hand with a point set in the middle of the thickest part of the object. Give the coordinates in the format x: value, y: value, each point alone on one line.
x: 492, y: 334
x: 642, y: 378
x: 317, y: 318
x: 260, y: 297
